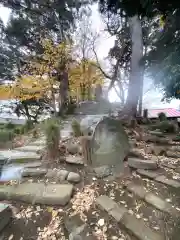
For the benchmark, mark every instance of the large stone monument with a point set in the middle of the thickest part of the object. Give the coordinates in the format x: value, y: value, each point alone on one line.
x: 110, y: 143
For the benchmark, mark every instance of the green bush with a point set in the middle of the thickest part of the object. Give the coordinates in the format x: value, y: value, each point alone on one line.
x: 9, y: 125
x: 52, y: 130
x: 162, y: 117
x: 18, y: 130
x: 6, y: 135
x: 76, y: 128
x: 29, y: 125
x: 71, y: 108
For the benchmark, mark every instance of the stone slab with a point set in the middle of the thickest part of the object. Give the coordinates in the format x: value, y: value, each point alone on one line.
x: 142, y: 164
x: 169, y: 182
x: 51, y: 194
x: 139, y: 229
x: 5, y: 215
x: 149, y: 174
x: 173, y: 154
x: 56, y: 194
x: 40, y: 142
x: 118, y: 212
x: 20, y: 157
x: 33, y: 172
x: 30, y: 148
x: 159, y: 203
x: 106, y: 203
x: 137, y: 190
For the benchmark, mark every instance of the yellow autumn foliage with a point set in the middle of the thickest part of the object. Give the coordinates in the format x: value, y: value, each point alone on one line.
x: 44, y: 70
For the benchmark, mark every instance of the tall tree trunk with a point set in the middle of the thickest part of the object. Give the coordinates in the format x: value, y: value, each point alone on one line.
x: 135, y: 75
x: 63, y: 91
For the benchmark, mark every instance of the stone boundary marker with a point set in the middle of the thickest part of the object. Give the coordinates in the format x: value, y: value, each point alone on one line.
x: 50, y: 194
x: 159, y: 178
x: 152, y: 199
x: 136, y: 226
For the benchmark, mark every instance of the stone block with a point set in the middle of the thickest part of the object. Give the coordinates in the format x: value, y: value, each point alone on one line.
x: 106, y: 203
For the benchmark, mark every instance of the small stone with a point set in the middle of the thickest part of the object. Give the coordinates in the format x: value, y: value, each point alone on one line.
x: 101, y: 222
x: 73, y: 177
x: 73, y: 148
x: 142, y: 164
x: 62, y: 174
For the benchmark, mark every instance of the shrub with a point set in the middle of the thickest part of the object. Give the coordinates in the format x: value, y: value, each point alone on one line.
x: 71, y: 108
x: 52, y: 131
x: 76, y: 128
x: 6, y: 135
x: 162, y: 117
x: 18, y: 130
x: 9, y: 125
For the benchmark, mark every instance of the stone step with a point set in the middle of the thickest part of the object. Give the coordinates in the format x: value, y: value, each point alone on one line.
x: 152, y: 199
x: 136, y: 226
x: 159, y: 177
x: 5, y: 215
x: 142, y: 164
x: 15, y: 156
x: 38, y: 193
x: 31, y: 148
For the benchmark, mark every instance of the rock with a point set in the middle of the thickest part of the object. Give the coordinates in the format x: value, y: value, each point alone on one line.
x: 142, y: 164
x: 103, y: 171
x: 155, y: 139
x: 51, y: 173
x: 172, y: 154
x: 106, y: 203
x: 74, y: 160
x: 89, y: 122
x: 158, y: 150
x: 62, y: 174
x: 139, y: 228
x: 15, y: 156
x: 72, y: 223
x: 31, y: 148
x: 73, y: 177
x: 137, y: 190
x: 73, y: 148
x: 149, y: 174
x: 136, y: 153
x: 5, y: 215
x: 132, y: 143
x: 156, y: 133
x: 113, y: 143
x: 170, y: 182
x: 34, y: 172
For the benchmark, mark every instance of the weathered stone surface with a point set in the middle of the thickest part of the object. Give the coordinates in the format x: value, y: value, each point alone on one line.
x: 118, y: 212
x: 30, y: 148
x: 136, y: 153
x: 138, y: 190
x: 20, y: 157
x: 156, y: 133
x: 52, y: 173
x: 113, y: 143
x: 5, y: 215
x: 73, y: 177
x: 149, y: 174
x: 72, y: 148
x: 51, y: 194
x: 159, y: 203
x: 168, y: 182
x: 155, y: 139
x: 172, y: 154
x: 56, y: 194
x: 74, y: 160
x: 157, y: 150
x: 142, y: 164
x: 72, y: 223
x: 106, y: 203
x: 139, y: 229
x: 169, y: 165
x: 62, y: 174
x: 103, y: 171
x: 34, y: 172
x: 39, y: 142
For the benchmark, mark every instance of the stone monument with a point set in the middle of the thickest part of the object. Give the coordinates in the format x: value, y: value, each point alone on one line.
x: 110, y: 143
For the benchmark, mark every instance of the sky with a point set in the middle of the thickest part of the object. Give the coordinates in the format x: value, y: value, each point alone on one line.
x: 152, y: 99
